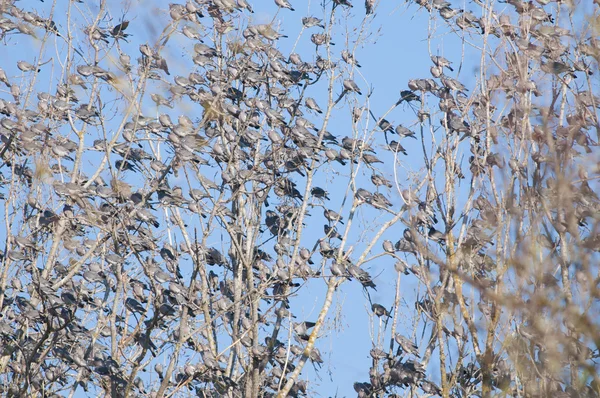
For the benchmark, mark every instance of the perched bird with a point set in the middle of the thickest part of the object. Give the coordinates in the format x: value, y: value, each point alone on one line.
x: 319, y: 193
x: 160, y: 100
x: 449, y: 13
x: 356, y: 114
x: 266, y: 31
x: 349, y: 58
x: 388, y: 246
x: 453, y: 84
x: 320, y: 39
x: 441, y: 62
x: 436, y: 71
x: 342, y: 3
x: 309, y: 22
x: 406, y: 346
x: 383, y: 124
x: 379, y: 180
x: 350, y: 85
x: 555, y: 67
x: 332, y: 216
x: 26, y: 66
x: 77, y: 80
x: 191, y: 33
x: 408, y: 234
x: 62, y: 152
x: 118, y: 32
x: 312, y: 105
x: 337, y: 269
x: 370, y: 159
x: 134, y: 306
x: 146, y: 50
x: 404, y: 132
x: 380, y: 310
x: 244, y: 5
x: 4, y: 78
x: 273, y: 222
x: 438, y: 4
x: 362, y: 195
x: 436, y: 235
x: 401, y: 267
x: 301, y: 329
x: 331, y: 232
x: 125, y: 165
x: 395, y: 146
x: 361, y: 275
x: 284, y: 4
x: 315, y: 356
x: 405, y: 246
x: 379, y: 200
x: 378, y: 353
x: 125, y: 61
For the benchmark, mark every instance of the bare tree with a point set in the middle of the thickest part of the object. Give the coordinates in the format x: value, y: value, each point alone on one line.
x: 172, y: 191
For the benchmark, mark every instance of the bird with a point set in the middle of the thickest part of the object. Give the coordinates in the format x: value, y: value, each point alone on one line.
x: 383, y: 124
x: 406, y: 346
x: 332, y: 216
x: 401, y: 267
x: 408, y: 96
x: 312, y: 105
x: 4, y: 78
x: 320, y: 39
x: 349, y: 58
x: 378, y: 353
x: 350, y: 85
x: 379, y: 180
x: 388, y: 246
x: 555, y: 67
x: 341, y: 3
x: 357, y: 113
x: 146, y: 51
x: 380, y: 310
x: 362, y: 195
x: 361, y: 275
x: 441, y: 62
x: 337, y: 269
x: 436, y: 235
x: 266, y: 31
x: 319, y: 193
x: 404, y: 132
x: 191, y: 33
x: 123, y: 165
x: 449, y: 13
x: 134, y: 306
x: 61, y: 152
x: 310, y: 22
x: 395, y: 146
x: 370, y: 159
x: 26, y: 67
x: 436, y: 71
x: 453, y: 84
x: 331, y: 232
x: 315, y: 356
x: 301, y: 329
x: 284, y: 4
x: 118, y: 32
x: 379, y: 200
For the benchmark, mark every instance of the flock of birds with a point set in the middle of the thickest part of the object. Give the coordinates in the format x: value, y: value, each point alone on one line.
x: 99, y: 268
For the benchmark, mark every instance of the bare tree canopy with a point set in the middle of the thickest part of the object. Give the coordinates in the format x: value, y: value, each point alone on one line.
x: 261, y: 198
